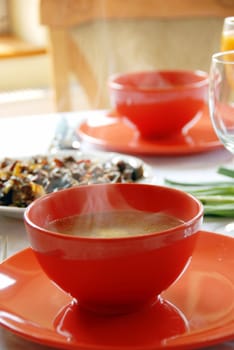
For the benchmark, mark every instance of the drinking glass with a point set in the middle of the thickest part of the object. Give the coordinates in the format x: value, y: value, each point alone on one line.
x: 221, y: 89
x: 227, y: 38
x: 221, y: 97
x: 221, y: 104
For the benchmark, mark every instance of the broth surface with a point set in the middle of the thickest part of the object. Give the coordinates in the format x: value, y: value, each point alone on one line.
x: 114, y: 224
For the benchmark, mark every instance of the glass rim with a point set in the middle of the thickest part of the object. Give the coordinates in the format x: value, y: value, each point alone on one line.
x: 221, y: 57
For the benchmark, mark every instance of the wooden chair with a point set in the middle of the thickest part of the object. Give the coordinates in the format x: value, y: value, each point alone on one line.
x: 60, y: 16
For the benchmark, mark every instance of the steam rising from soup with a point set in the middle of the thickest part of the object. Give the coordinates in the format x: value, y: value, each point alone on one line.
x: 114, y: 224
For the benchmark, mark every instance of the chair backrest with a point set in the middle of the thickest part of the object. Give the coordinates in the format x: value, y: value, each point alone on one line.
x: 60, y: 16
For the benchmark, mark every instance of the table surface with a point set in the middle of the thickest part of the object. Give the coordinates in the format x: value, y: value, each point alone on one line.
x: 30, y: 135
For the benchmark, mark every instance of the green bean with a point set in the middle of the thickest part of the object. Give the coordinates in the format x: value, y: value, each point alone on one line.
x: 226, y: 171
x: 217, y: 197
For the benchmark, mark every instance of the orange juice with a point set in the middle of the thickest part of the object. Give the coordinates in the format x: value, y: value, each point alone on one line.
x: 227, y: 44
x: 227, y: 41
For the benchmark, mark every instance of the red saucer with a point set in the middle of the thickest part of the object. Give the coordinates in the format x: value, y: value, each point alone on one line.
x: 197, y: 311
x: 110, y: 132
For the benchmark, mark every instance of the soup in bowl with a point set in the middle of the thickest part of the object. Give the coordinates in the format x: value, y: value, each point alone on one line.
x: 114, y: 247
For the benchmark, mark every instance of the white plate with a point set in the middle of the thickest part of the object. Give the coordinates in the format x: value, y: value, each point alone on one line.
x: 12, y: 212
x: 17, y: 213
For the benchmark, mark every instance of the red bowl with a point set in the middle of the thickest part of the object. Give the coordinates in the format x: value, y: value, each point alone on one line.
x: 159, y: 103
x: 114, y: 275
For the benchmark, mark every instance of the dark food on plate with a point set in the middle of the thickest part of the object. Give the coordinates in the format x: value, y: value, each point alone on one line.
x: 22, y: 181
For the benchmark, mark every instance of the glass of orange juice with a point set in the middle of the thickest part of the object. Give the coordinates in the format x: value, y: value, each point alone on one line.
x: 227, y: 40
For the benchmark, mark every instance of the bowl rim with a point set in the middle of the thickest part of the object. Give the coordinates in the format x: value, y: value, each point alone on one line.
x: 115, y: 85
x: 198, y: 217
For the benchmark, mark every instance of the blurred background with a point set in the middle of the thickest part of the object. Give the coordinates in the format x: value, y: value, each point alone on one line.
x: 172, y: 39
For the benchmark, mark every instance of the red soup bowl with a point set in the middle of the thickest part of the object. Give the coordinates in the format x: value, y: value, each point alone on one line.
x: 159, y: 103
x: 114, y: 273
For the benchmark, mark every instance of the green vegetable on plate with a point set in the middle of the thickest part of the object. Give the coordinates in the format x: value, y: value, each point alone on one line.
x: 217, y: 197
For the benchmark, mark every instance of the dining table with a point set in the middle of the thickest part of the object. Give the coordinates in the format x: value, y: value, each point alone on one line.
x: 24, y: 136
